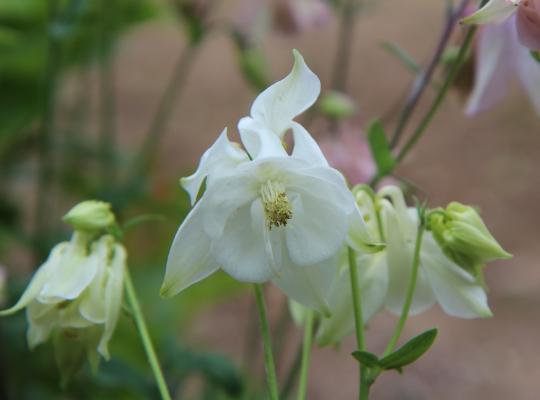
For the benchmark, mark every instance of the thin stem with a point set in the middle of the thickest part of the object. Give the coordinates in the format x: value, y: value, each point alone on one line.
x: 306, y: 352
x: 358, y: 322
x: 267, y: 344
x: 165, y: 109
x: 145, y: 337
x: 410, y: 292
x: 292, y: 373
x: 440, y: 97
x: 344, y: 44
x: 424, y: 77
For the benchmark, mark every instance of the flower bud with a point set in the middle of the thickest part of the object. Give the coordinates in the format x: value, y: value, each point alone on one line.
x: 90, y: 215
x: 464, y: 238
x: 337, y: 105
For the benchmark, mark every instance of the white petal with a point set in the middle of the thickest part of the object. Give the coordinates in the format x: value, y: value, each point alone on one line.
x: 113, y: 297
x: 305, y: 147
x: 456, y: 291
x: 41, y: 276
x: 75, y: 272
x: 373, y: 283
x: 189, y: 259
x: 494, y: 66
x: 221, y: 157
x: 528, y: 71
x: 42, y: 318
x: 399, y: 252
x: 284, y: 100
x: 308, y: 285
x: 243, y: 251
x: 494, y: 11
x: 259, y: 140
x: 359, y: 237
x: 316, y: 231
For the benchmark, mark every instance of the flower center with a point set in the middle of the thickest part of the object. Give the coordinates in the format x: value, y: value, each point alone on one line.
x: 276, y: 204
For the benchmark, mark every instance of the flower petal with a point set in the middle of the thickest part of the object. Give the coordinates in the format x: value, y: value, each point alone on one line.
x: 244, y: 251
x: 494, y: 66
x: 189, y: 259
x: 399, y: 252
x: 493, y: 11
x: 113, y: 297
x: 528, y: 24
x: 39, y: 279
x: 221, y: 157
x: 284, y: 100
x: 457, y: 292
x: 306, y: 148
x: 75, y: 272
x: 308, y: 285
x: 316, y: 231
x: 259, y: 140
x: 373, y: 283
x: 528, y: 72
x: 41, y: 320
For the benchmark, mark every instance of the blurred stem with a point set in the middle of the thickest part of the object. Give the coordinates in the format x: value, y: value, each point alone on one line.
x: 145, y: 337
x: 45, y: 140
x: 165, y: 109
x: 107, y: 138
x: 292, y: 374
x: 410, y: 291
x: 440, y: 96
x: 424, y: 77
x: 346, y: 30
x: 267, y: 344
x: 358, y: 322
x: 424, y: 123
x: 306, y: 352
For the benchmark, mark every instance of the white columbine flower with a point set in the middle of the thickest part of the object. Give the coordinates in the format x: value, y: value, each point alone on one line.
x: 384, y: 275
x: 77, y: 292
x: 267, y: 215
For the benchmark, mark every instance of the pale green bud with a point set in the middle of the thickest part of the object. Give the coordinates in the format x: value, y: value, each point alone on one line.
x: 464, y: 237
x: 90, y: 215
x: 337, y: 105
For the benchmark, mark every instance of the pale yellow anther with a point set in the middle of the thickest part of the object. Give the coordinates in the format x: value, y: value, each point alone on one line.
x: 277, y: 208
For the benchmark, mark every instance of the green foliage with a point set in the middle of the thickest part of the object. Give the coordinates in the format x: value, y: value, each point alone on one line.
x: 380, y: 149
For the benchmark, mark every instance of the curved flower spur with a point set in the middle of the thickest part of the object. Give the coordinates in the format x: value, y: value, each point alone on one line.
x: 266, y: 214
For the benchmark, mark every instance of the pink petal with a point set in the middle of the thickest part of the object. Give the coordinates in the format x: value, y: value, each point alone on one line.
x: 528, y: 23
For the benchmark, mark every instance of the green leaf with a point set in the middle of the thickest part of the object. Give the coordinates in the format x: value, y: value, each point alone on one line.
x: 380, y: 149
x: 366, y: 358
x: 410, y: 352
x: 402, y: 56
x: 536, y: 56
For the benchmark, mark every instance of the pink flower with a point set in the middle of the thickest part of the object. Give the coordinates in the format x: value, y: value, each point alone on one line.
x: 348, y: 152
x: 500, y: 57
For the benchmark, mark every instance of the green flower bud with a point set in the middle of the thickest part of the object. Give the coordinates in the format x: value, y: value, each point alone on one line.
x: 464, y: 237
x: 337, y: 105
x: 90, y: 215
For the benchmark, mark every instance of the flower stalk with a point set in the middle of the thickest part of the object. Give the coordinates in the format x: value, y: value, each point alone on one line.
x: 306, y: 352
x: 267, y: 344
x: 145, y: 337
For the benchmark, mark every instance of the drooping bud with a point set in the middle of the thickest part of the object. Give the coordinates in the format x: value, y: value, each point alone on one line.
x: 464, y: 238
x: 337, y: 105
x: 90, y: 215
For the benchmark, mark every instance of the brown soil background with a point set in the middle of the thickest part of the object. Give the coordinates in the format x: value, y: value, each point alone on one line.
x: 491, y: 161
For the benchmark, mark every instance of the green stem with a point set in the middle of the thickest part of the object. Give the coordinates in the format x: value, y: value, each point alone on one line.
x: 410, y: 292
x: 306, y: 352
x: 358, y: 322
x: 267, y: 344
x: 145, y: 337
x: 440, y: 96
x: 293, y: 372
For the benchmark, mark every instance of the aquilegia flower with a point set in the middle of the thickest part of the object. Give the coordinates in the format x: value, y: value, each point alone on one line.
x: 526, y: 13
x: 384, y: 275
x: 500, y: 58
x: 77, y: 293
x: 264, y: 214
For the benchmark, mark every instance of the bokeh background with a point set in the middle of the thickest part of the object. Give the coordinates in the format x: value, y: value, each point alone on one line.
x: 79, y: 93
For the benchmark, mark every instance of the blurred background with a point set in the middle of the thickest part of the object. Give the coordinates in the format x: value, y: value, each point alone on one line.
x: 118, y: 99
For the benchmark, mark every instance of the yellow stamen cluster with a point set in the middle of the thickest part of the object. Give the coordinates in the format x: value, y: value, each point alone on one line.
x: 276, y: 204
